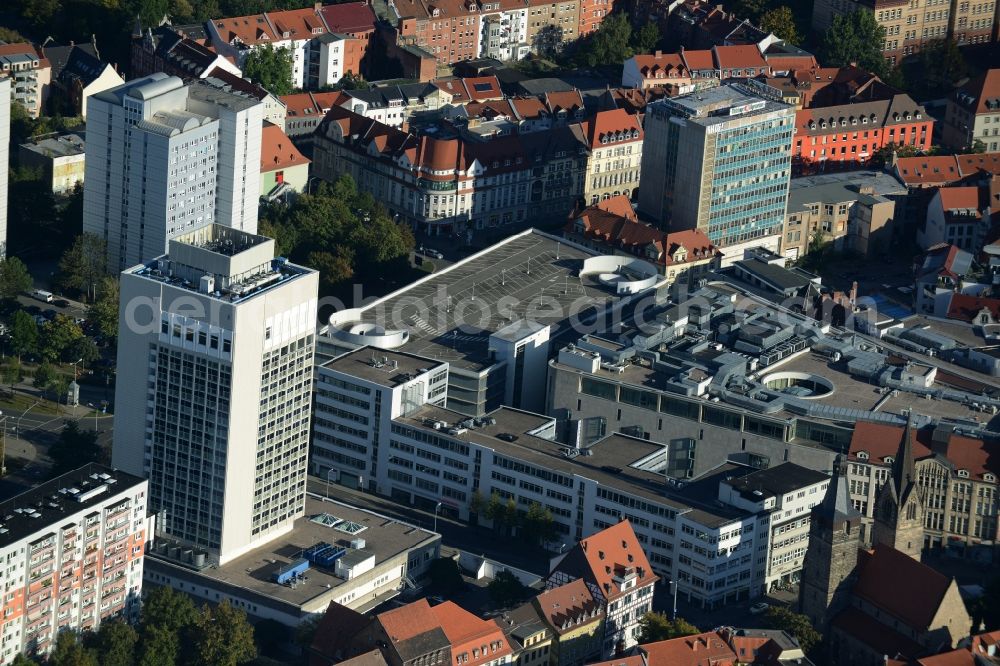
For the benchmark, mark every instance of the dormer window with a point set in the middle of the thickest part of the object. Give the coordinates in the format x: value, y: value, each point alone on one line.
x: 963, y: 473
x: 989, y: 477
x: 862, y: 455
x: 888, y: 460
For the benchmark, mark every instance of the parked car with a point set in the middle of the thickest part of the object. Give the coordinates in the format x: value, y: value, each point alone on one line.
x: 759, y: 607
x: 430, y: 252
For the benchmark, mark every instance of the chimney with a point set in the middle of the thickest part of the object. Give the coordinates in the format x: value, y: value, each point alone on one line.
x: 854, y: 292
x: 658, y: 54
x: 940, y: 438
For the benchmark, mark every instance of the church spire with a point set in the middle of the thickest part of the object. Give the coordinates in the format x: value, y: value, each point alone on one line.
x: 904, y: 469
x: 836, y: 507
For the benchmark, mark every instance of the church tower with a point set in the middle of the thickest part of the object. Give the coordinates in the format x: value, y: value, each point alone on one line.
x: 899, y: 507
x: 832, y: 552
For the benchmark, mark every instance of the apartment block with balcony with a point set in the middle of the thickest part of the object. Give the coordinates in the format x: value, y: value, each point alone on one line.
x: 71, y: 557
x: 30, y: 74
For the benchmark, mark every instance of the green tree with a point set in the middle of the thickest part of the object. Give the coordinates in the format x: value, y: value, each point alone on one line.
x: 23, y: 334
x: 444, y: 576
x: 749, y: 9
x: 222, y: 636
x: 57, y: 335
x: 271, y: 68
x: 977, y: 147
x: 165, y: 608
x: 104, y: 310
x: 82, y: 351
x: 12, y: 36
x: 796, y: 624
x: 20, y: 659
x: 335, y: 268
x: 884, y: 156
x: 647, y: 39
x: 70, y: 652
x: 506, y: 590
x: 781, y: 22
x: 538, y: 524
x: 12, y: 372
x: 84, y: 264
x: 658, y: 627
x: 159, y: 647
x: 942, y: 65
x: 44, y: 376
x: 75, y: 446
x: 857, y: 38
x: 115, y: 644
x: 14, y: 278
x: 609, y: 43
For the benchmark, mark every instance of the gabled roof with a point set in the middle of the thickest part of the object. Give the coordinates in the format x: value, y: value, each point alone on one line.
x: 83, y: 65
x: 463, y: 629
x: 568, y: 606
x: 297, y: 24
x: 965, y: 307
x: 944, y: 260
x: 249, y: 30
x: 881, y: 440
x: 958, y: 657
x: 661, y: 65
x: 697, y: 650
x: 698, y: 60
x: 944, y: 169
x: 738, y: 57
x: 349, y: 17
x: 611, y: 553
x: 570, y: 101
x: 277, y: 151
x: 336, y: 629
x: 885, y: 578
x: 981, y: 94
x: 614, y: 126
x: 878, y: 637
x: 408, y: 621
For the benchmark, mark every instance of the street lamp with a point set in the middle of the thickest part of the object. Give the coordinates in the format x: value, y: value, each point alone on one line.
x: 74, y: 364
x: 328, y: 472
x: 437, y: 507
x: 673, y: 584
x: 17, y: 424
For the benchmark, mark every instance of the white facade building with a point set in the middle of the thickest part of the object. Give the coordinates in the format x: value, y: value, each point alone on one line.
x: 165, y: 157
x: 71, y: 557
x: 716, y: 544
x: 215, y: 358
x: 504, y: 35
x: 4, y: 159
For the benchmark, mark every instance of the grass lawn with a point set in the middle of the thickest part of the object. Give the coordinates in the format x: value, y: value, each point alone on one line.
x: 18, y: 402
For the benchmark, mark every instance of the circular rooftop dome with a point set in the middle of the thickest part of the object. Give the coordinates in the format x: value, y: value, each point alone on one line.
x: 799, y: 384
x: 628, y: 275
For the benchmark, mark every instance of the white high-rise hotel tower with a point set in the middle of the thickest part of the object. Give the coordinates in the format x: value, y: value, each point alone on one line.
x: 215, y: 366
x: 165, y: 157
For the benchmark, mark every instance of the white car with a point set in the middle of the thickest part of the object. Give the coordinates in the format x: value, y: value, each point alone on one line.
x: 759, y: 607
x: 430, y: 252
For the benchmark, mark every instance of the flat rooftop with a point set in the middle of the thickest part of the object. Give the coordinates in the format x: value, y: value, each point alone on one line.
x: 49, y: 503
x: 384, y: 537
x: 776, y: 481
x: 609, y: 462
x: 722, y: 104
x: 840, y: 187
x: 58, y: 146
x: 451, y: 314
x: 381, y: 366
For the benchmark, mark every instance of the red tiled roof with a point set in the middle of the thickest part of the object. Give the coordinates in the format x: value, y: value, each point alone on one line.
x: 694, y: 241
x: 610, y: 553
x: 338, y: 626
x: 878, y: 637
x: 567, y: 605
x: 671, y: 64
x: 880, y: 440
x: 277, y: 151
x: 959, y: 657
x: 738, y: 57
x: 984, y: 91
x: 697, y: 650
x: 407, y: 621
x: 24, y: 48
x: 481, y: 88
x: 616, y: 125
x: 569, y: 100
x: 982, y: 643
x: 620, y: 205
x: 966, y: 197
x: 312, y: 104
x: 349, y: 17
x: 698, y: 60
x: 297, y: 23
x: 528, y: 107
x: 944, y: 169
x: 965, y: 307
x: 634, y: 660
x: 885, y: 579
x: 250, y: 30
x: 465, y: 632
